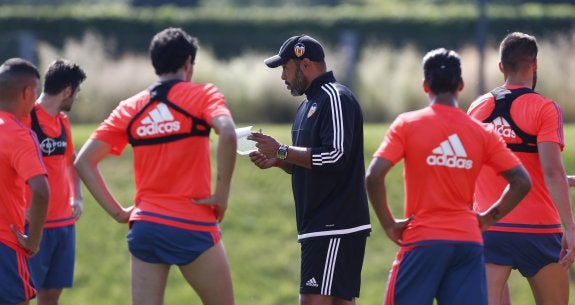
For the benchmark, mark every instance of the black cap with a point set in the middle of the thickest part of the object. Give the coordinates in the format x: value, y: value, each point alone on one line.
x: 297, y: 47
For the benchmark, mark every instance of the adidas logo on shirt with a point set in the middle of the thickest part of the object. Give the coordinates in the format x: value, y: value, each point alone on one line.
x: 450, y: 153
x: 159, y: 121
x: 312, y: 282
x: 503, y: 128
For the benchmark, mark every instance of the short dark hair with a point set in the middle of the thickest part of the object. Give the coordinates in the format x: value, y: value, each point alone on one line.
x: 14, y: 74
x: 517, y: 50
x: 442, y: 70
x: 170, y: 48
x: 61, y: 74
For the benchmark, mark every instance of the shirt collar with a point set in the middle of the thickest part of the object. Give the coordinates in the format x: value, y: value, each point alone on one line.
x: 318, y: 82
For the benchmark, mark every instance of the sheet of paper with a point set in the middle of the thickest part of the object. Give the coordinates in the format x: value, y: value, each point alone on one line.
x: 245, y: 146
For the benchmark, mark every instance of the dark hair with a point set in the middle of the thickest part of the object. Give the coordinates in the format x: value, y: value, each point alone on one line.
x: 14, y: 75
x: 517, y: 50
x: 170, y: 49
x: 442, y: 70
x: 61, y: 74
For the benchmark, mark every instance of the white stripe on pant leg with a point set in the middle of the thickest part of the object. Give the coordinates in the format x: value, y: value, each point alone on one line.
x: 329, y: 267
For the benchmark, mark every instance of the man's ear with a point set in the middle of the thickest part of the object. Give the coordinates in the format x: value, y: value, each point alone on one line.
x: 67, y: 92
x: 425, y: 86
x: 27, y: 92
x: 461, y: 84
x: 306, y: 63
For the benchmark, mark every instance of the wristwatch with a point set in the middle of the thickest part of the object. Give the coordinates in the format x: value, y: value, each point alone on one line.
x: 282, y: 152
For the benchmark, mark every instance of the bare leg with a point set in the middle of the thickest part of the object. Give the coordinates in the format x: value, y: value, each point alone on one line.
x: 496, y: 282
x: 210, y: 276
x: 48, y: 296
x: 148, y: 282
x: 550, y: 285
x: 506, y: 295
x: 317, y: 299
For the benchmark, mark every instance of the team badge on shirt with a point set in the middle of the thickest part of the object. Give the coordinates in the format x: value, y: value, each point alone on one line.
x: 299, y: 49
x: 450, y: 153
x: 311, y: 110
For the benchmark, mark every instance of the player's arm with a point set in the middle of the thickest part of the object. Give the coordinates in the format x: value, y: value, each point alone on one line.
x: 36, y: 214
x: 86, y: 164
x: 519, y: 186
x: 226, y: 160
x: 558, y: 187
x: 377, y: 193
x: 571, y: 180
x: 77, y: 200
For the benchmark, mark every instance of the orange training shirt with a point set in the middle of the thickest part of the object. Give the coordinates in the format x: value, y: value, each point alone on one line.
x: 443, y: 151
x: 20, y: 160
x: 169, y: 175
x: 539, y: 116
x: 60, y: 212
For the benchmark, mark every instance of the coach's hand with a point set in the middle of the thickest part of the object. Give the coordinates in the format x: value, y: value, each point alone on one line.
x: 266, y: 144
x: 261, y: 161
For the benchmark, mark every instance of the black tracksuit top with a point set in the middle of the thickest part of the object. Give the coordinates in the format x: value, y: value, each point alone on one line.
x: 330, y: 197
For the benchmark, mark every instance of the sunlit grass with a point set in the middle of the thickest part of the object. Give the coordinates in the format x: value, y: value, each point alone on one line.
x: 258, y: 232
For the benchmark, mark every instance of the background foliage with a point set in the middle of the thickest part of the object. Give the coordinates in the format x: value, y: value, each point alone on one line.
x: 374, y: 47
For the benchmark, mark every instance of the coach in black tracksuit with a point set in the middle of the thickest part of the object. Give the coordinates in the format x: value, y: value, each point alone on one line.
x: 327, y: 166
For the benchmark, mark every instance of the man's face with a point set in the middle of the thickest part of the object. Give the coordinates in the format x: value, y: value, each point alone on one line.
x: 67, y: 103
x: 294, y: 78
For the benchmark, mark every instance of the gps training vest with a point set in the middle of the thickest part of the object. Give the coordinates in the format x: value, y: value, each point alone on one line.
x: 49, y: 146
x: 503, y: 100
x: 155, y: 123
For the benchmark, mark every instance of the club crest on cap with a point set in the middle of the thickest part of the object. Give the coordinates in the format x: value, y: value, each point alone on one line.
x: 299, y: 49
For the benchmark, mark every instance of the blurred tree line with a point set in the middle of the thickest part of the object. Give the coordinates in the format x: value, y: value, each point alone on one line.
x: 238, y: 33
x: 195, y: 3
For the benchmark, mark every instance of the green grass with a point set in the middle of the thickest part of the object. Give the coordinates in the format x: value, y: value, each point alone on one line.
x: 258, y: 232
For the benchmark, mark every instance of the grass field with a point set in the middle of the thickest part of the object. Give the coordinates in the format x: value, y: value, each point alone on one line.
x: 258, y: 232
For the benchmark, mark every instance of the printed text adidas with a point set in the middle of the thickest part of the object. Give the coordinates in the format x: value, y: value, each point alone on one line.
x: 159, y: 121
x: 450, y: 153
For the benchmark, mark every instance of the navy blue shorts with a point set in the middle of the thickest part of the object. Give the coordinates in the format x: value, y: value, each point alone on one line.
x: 527, y: 253
x: 15, y: 282
x: 332, y: 266
x: 53, y: 266
x: 452, y: 273
x: 160, y: 244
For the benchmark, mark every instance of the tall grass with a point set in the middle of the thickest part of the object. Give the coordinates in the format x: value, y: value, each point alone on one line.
x: 258, y: 232
x: 387, y: 80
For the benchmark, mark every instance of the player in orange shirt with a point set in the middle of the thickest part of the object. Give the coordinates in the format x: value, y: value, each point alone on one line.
x: 175, y: 217
x: 530, y: 238
x: 441, y: 254
x: 53, y: 267
x: 20, y: 164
